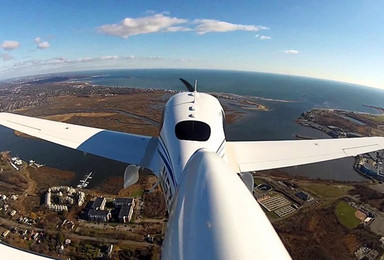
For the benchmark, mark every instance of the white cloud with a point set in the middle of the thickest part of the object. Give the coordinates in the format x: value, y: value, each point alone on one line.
x: 178, y: 29
x: 41, y: 45
x: 6, y: 56
x: 112, y: 57
x: 291, y: 52
x: 208, y: 25
x: 143, y: 25
x: 10, y: 45
x: 60, y: 64
x: 263, y: 37
x: 62, y: 61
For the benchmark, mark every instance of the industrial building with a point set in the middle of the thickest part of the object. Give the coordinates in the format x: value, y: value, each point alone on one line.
x: 119, y: 202
x: 277, y: 204
x: 99, y: 203
x: 302, y: 195
x: 97, y: 212
x: 99, y: 215
x: 126, y: 206
x: 124, y: 210
x: 125, y: 213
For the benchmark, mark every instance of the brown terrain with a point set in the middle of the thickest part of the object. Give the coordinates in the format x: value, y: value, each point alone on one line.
x: 30, y: 185
x: 109, y: 112
x: 29, y: 182
x: 136, y: 113
x: 314, y: 233
x: 317, y: 234
x: 372, y: 125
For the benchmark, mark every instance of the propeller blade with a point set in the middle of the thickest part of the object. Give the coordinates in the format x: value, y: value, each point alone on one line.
x: 188, y: 85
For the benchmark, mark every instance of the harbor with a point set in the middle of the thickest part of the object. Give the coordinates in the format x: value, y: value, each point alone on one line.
x: 371, y: 165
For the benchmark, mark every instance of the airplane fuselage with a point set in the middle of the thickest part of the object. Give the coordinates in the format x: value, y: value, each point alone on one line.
x: 191, y: 121
x: 211, y: 210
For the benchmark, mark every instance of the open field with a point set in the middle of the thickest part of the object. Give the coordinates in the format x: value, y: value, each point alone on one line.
x: 370, y: 119
x: 69, y: 116
x: 346, y: 215
x: 325, y: 190
x: 377, y: 119
x: 46, y: 177
x: 135, y: 113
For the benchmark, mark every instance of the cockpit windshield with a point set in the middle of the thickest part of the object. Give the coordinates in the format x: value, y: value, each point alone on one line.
x: 192, y: 130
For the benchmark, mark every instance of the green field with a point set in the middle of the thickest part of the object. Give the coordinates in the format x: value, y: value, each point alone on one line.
x: 327, y: 190
x: 346, y: 215
x: 5, y: 166
x: 137, y: 193
x: 258, y: 181
x: 376, y: 118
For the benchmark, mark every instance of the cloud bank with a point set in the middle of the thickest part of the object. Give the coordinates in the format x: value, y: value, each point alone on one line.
x: 87, y: 62
x: 162, y: 23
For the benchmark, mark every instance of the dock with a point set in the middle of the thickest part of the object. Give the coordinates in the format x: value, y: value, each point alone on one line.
x: 85, y: 181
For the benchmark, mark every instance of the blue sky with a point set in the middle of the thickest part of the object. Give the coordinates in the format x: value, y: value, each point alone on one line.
x: 338, y: 40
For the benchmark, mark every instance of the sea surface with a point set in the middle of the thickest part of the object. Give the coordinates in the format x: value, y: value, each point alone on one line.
x: 287, y: 96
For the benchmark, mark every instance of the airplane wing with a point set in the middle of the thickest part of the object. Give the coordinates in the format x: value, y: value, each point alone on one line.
x: 264, y: 155
x: 11, y: 252
x: 127, y: 148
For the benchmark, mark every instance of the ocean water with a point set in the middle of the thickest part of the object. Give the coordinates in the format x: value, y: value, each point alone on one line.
x: 309, y: 92
x: 277, y: 124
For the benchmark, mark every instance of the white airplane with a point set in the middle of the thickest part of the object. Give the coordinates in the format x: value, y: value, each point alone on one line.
x: 212, y: 213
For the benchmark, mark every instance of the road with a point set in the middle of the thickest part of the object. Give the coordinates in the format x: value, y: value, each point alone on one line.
x: 11, y: 224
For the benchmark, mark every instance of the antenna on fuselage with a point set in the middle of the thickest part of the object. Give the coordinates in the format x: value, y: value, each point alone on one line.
x: 190, y: 88
x: 194, y: 93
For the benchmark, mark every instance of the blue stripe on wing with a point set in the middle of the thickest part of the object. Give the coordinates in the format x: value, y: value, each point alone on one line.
x: 128, y: 148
